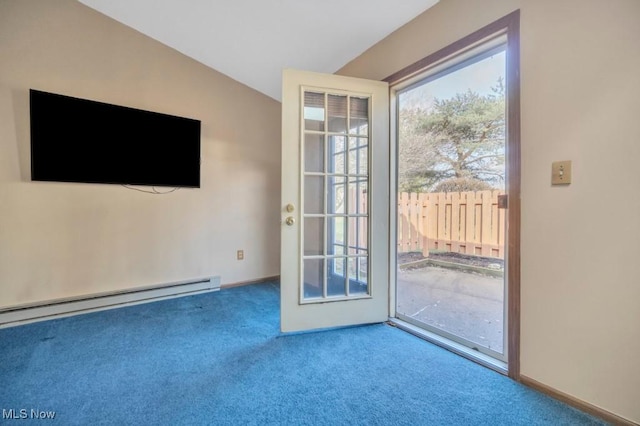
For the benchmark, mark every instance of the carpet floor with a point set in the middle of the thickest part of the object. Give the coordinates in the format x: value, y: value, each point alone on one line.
x: 219, y: 359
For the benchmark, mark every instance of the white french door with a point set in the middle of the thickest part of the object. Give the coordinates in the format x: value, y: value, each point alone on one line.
x: 335, y: 201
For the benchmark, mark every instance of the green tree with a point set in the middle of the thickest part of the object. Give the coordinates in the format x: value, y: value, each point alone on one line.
x: 417, y: 167
x: 458, y: 145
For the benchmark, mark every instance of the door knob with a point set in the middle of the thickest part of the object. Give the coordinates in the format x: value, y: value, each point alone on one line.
x: 290, y: 221
x: 290, y: 208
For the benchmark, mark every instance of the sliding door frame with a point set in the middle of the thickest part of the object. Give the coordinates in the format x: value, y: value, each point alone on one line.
x: 508, y: 26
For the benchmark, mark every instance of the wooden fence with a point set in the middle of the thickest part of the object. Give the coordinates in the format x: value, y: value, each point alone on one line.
x: 461, y: 222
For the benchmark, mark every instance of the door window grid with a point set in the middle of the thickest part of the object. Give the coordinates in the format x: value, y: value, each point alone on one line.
x: 345, y: 177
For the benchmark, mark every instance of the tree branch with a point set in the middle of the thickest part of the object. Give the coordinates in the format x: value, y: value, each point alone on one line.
x: 474, y: 160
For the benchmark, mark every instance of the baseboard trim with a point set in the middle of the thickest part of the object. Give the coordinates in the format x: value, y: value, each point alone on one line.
x: 256, y: 281
x: 575, y: 402
x: 59, y: 308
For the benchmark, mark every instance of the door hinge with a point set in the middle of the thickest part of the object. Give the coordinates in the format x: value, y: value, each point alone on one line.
x: 503, y: 201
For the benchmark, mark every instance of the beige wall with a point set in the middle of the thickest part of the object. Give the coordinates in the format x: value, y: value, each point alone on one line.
x: 60, y: 239
x: 580, y: 71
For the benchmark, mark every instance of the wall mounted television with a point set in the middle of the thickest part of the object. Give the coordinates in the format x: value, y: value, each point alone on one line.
x: 79, y: 140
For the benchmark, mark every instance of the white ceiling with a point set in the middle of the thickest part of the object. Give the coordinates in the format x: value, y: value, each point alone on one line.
x: 252, y: 41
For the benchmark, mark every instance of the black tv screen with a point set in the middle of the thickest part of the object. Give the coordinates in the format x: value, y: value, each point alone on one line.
x: 78, y: 140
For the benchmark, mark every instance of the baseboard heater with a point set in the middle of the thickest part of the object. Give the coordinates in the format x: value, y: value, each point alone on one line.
x: 24, y: 314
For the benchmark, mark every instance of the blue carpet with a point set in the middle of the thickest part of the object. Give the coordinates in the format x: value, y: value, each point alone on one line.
x: 218, y: 359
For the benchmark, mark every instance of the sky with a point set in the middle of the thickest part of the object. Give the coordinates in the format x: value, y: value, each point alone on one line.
x: 479, y: 77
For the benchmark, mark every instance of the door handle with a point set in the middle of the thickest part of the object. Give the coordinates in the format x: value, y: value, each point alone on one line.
x: 290, y: 221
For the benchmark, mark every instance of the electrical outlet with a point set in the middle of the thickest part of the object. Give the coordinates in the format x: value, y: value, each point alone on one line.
x: 240, y: 254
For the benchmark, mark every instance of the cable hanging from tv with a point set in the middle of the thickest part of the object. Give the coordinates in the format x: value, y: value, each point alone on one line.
x: 152, y: 191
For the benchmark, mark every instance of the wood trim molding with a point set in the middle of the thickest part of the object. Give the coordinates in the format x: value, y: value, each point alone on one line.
x: 512, y: 25
x: 487, y: 31
x: 576, y: 403
x: 509, y: 25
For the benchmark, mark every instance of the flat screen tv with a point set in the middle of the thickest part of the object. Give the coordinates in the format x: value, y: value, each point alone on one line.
x: 79, y: 140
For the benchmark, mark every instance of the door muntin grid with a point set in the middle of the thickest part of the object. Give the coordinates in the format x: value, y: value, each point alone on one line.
x: 335, y: 132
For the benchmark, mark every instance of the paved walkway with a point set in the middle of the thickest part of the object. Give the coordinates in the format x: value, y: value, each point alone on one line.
x: 469, y: 305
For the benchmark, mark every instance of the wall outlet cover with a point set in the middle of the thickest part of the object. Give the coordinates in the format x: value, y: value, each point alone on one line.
x: 561, y: 173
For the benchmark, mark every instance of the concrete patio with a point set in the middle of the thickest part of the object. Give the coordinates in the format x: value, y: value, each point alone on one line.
x: 467, y: 304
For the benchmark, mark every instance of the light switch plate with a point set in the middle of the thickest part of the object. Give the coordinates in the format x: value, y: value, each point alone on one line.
x: 561, y: 173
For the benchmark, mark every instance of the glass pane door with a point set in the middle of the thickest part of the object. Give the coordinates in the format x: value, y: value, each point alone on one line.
x: 334, y: 246
x: 451, y: 188
x: 335, y: 199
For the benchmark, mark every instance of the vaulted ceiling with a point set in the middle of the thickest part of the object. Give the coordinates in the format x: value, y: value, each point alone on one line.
x: 252, y: 41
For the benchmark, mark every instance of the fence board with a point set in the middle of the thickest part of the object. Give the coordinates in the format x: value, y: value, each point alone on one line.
x: 462, y: 245
x: 467, y: 222
x: 485, y: 220
x: 455, y: 221
x: 470, y: 237
x: 494, y: 221
x: 413, y: 221
x: 440, y: 235
x: 406, y: 236
x: 422, y: 208
x: 502, y: 230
